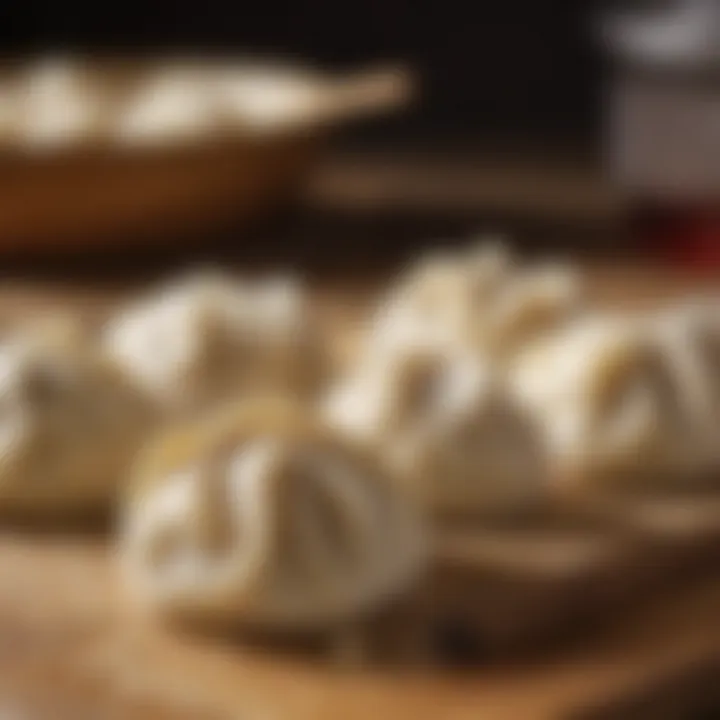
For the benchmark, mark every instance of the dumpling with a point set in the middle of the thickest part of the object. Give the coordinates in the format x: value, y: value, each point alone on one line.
x: 263, y: 517
x: 479, y: 298
x: 174, y: 105
x: 70, y: 423
x: 442, y: 295
x: 690, y: 336
x: 267, y: 98
x: 604, y: 392
x: 450, y: 429
x: 209, y: 337
x: 532, y: 303
x: 57, y: 103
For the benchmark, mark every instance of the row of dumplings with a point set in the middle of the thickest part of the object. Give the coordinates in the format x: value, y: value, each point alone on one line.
x: 59, y: 102
x: 489, y: 384
x: 76, y: 399
x: 191, y: 409
x: 259, y: 486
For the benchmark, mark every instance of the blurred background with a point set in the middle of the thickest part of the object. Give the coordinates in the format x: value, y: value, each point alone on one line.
x: 509, y: 88
x: 512, y: 70
x: 510, y: 129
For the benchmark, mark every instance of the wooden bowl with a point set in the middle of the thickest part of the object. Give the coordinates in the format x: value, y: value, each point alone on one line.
x: 96, y: 189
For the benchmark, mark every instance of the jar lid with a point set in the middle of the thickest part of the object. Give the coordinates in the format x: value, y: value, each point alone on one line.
x: 684, y: 35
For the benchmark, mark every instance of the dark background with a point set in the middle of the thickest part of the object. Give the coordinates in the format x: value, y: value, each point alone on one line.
x: 519, y: 78
x: 510, y: 70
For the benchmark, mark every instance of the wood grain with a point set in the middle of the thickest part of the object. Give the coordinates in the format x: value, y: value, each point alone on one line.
x: 68, y: 648
x: 65, y: 643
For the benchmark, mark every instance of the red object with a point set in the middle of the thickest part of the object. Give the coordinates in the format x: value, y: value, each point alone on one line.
x: 687, y: 234
x: 663, y: 129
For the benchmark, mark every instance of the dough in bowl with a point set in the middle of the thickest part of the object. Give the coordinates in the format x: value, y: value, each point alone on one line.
x: 70, y: 423
x: 605, y: 393
x: 57, y: 103
x: 174, y: 105
x: 263, y: 517
x: 208, y: 338
x: 449, y: 428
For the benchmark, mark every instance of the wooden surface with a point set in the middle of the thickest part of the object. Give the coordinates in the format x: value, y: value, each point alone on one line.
x: 68, y: 650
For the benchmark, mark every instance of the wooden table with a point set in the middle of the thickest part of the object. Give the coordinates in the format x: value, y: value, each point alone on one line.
x: 68, y: 651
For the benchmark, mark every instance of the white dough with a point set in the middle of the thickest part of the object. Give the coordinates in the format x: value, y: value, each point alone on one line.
x: 175, y: 105
x: 532, y: 303
x: 209, y: 337
x: 267, y: 519
x: 441, y: 295
x: 70, y: 424
x: 479, y: 298
x: 449, y: 428
x: 56, y: 104
x: 690, y: 335
x: 605, y: 393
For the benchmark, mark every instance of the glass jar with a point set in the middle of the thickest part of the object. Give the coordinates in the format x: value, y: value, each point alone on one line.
x: 664, y: 128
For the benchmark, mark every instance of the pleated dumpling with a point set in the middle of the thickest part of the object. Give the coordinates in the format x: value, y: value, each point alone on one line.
x: 57, y: 103
x: 690, y: 336
x: 262, y: 516
x: 533, y: 302
x: 209, y: 337
x: 70, y: 423
x: 442, y: 295
x: 481, y: 298
x: 604, y: 391
x: 451, y: 430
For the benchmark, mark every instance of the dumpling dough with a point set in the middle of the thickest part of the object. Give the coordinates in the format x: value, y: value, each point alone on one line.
x: 209, y: 337
x: 442, y: 296
x: 690, y: 335
x: 196, y: 102
x: 174, y: 105
x: 605, y: 394
x: 57, y: 104
x: 266, y: 98
x: 263, y: 517
x: 451, y: 431
x: 532, y: 303
x: 70, y: 423
x: 479, y: 298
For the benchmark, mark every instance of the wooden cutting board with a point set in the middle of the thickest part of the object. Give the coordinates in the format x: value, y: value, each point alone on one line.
x: 67, y: 652
x: 67, y: 649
